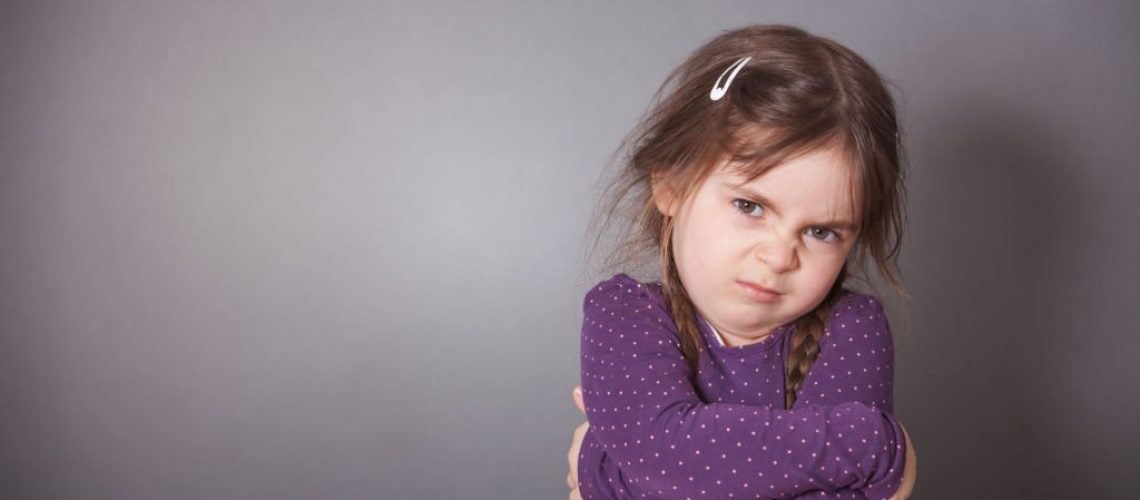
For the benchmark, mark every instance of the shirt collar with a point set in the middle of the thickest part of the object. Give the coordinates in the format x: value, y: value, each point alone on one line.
x: 715, y: 333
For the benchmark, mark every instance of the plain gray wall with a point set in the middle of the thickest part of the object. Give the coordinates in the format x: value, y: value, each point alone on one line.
x: 333, y: 249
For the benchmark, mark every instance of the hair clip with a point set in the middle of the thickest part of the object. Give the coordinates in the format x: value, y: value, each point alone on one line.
x: 718, y: 91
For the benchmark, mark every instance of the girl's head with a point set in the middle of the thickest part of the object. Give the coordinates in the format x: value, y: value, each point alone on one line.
x: 791, y: 180
x: 789, y: 230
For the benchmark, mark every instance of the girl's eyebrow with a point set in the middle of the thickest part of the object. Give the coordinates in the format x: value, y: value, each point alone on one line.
x: 845, y: 225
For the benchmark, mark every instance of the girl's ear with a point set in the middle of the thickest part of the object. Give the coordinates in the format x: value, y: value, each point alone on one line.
x: 663, y: 195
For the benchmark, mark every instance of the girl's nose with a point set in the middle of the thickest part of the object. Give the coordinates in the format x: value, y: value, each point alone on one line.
x: 779, y: 254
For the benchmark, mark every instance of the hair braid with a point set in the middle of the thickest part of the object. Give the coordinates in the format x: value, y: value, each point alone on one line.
x: 805, y: 341
x: 680, y: 306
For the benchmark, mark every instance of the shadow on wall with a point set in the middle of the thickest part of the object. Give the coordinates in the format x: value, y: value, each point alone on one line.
x: 983, y: 370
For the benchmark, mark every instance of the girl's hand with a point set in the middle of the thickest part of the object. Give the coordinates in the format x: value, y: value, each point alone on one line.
x: 910, y: 471
x: 575, y: 446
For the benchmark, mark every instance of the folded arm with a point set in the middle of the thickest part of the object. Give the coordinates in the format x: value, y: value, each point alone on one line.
x: 650, y: 432
x: 856, y: 364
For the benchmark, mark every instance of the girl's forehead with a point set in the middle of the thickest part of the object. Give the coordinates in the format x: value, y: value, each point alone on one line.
x: 824, y: 164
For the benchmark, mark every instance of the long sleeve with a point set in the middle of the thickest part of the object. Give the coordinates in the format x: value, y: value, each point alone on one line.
x: 856, y: 364
x: 647, y: 419
x: 856, y: 360
x: 598, y: 476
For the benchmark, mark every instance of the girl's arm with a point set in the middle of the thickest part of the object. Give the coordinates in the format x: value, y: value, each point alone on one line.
x: 856, y: 357
x: 650, y: 432
x: 856, y: 364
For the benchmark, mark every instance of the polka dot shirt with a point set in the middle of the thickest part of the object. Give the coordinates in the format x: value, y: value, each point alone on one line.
x: 654, y: 433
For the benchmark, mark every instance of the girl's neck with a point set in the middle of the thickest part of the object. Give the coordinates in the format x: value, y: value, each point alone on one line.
x: 734, y: 341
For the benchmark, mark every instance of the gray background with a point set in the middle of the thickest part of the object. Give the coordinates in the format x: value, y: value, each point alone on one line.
x: 334, y: 250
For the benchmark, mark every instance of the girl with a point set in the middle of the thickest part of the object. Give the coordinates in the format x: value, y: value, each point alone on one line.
x: 763, y: 179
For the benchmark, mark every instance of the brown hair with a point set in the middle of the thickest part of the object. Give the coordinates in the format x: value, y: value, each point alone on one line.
x: 798, y: 92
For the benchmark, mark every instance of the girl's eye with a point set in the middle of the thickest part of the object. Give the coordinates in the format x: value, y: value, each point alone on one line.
x: 749, y: 208
x: 828, y: 235
x: 753, y: 209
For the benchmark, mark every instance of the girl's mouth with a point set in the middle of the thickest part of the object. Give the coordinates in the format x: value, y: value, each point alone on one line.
x: 759, y: 293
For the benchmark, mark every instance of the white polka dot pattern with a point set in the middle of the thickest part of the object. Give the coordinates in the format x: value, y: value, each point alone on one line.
x: 654, y: 433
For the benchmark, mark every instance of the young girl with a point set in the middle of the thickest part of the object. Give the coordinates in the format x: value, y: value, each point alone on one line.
x: 768, y: 174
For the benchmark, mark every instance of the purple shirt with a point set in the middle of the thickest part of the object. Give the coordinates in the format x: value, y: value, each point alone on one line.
x: 653, y: 434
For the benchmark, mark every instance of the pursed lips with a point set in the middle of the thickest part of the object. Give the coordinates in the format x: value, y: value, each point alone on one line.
x: 758, y: 287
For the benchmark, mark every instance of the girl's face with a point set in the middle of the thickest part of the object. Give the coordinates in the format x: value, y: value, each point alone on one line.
x: 789, y: 230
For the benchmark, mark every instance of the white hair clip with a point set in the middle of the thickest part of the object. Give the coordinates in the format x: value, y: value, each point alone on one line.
x: 718, y: 91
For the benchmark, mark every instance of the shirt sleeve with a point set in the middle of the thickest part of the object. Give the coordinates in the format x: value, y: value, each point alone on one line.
x: 856, y: 364
x: 647, y: 419
x: 598, y: 476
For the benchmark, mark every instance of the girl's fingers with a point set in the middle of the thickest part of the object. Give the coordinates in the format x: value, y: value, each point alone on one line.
x: 577, y: 394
